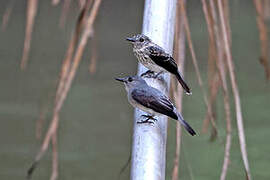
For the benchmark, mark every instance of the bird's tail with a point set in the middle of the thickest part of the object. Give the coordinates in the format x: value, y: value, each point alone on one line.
x: 185, y: 124
x: 183, y: 83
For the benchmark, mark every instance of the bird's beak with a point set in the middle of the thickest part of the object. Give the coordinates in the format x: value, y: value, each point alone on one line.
x: 130, y: 39
x: 121, y: 79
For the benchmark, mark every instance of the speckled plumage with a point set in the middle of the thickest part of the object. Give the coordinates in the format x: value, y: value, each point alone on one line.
x: 143, y: 55
x: 155, y: 58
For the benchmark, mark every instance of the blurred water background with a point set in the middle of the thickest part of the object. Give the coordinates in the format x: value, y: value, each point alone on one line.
x: 96, y: 120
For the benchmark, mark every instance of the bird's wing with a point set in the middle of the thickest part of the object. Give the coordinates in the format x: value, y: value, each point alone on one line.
x: 155, y: 100
x: 163, y: 59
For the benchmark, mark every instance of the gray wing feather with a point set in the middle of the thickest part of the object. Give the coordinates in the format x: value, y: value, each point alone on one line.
x: 163, y: 59
x: 155, y: 100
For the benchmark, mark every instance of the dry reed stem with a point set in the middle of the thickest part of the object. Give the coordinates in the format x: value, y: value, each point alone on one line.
x: 238, y: 110
x: 263, y: 37
x: 72, y: 72
x: 73, y: 42
x: 212, y: 48
x: 211, y: 70
x: 226, y: 11
x: 222, y: 72
x: 30, y: 19
x: 52, y: 129
x: 81, y: 3
x: 211, y: 61
x: 179, y: 51
x: 41, y: 120
x: 214, y: 90
x: 212, y: 81
x: 94, y: 55
x: 213, y: 31
x: 177, y: 98
x: 217, y: 32
x: 64, y: 14
x: 6, y: 15
x: 195, y: 63
x: 55, y: 2
x: 226, y: 161
x: 76, y: 60
x: 59, y: 99
x: 214, y: 87
x: 266, y: 9
x: 54, y: 174
x: 42, y: 116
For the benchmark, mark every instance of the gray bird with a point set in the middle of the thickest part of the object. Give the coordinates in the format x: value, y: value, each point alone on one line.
x: 151, y: 100
x: 155, y: 58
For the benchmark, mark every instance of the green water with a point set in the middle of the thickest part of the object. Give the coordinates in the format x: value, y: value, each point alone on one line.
x: 95, y: 123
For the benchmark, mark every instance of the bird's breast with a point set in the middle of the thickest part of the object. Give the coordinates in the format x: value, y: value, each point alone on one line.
x: 147, y: 61
x: 135, y: 104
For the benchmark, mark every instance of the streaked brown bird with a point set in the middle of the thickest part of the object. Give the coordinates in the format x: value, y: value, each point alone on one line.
x: 155, y: 58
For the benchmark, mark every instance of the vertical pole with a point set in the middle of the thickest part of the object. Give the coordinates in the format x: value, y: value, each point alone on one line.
x: 148, y: 160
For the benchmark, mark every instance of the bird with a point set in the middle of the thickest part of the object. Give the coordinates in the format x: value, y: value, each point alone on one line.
x: 155, y: 58
x: 152, y: 101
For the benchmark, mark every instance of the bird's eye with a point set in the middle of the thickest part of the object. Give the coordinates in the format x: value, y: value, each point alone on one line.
x: 141, y: 39
x: 130, y: 79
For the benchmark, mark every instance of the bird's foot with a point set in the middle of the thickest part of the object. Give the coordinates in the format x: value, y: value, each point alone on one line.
x: 153, y: 75
x: 149, y: 119
x: 148, y: 73
x: 156, y: 75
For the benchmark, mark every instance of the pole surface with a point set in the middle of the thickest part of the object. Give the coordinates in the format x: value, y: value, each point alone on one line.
x: 148, y: 160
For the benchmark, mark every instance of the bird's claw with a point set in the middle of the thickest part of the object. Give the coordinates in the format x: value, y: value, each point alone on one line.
x: 148, y: 119
x: 153, y: 75
x: 156, y: 75
x: 145, y: 121
x: 148, y: 73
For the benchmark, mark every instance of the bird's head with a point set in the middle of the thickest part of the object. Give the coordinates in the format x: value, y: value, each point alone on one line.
x: 131, y: 81
x: 139, y: 40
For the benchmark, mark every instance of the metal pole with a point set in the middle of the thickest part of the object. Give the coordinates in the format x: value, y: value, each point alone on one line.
x: 148, y: 160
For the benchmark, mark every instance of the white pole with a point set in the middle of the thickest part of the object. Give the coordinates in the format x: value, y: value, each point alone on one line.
x: 148, y: 160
